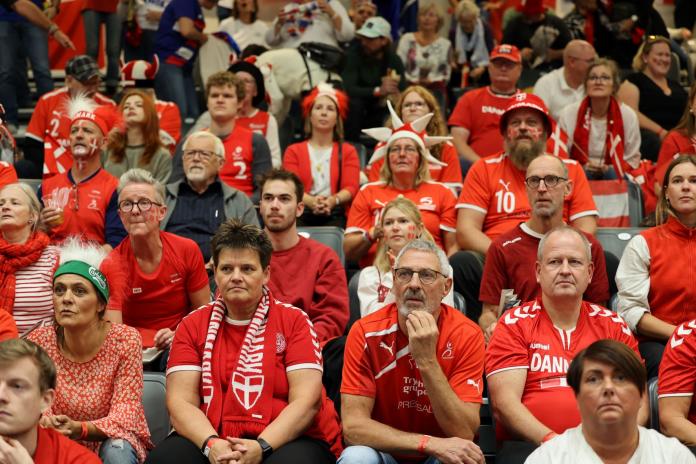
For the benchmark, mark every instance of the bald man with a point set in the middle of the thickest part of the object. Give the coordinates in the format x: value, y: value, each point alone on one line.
x: 564, y: 86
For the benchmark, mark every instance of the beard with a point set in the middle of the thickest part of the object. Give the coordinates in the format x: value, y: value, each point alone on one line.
x: 196, y: 174
x: 404, y: 308
x: 522, y: 152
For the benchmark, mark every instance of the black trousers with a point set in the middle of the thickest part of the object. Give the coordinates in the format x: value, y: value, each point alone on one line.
x: 514, y: 452
x: 467, y: 269
x: 652, y: 352
x: 176, y: 449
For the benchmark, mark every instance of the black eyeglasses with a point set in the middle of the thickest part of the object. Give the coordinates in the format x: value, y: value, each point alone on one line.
x: 426, y: 276
x: 202, y: 154
x: 143, y: 204
x: 549, y: 181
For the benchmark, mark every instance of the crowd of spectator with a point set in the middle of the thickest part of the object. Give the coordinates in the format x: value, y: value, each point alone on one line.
x: 462, y: 161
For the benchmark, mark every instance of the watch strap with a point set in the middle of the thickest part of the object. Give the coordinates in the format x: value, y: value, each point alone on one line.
x: 266, y: 448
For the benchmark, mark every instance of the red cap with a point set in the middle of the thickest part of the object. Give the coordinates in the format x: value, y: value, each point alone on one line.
x: 506, y: 52
x: 526, y: 100
x: 105, y: 117
x: 532, y: 7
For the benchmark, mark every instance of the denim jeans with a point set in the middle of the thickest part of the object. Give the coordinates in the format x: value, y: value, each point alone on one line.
x: 175, y: 84
x: 367, y: 455
x: 92, y: 21
x: 33, y: 42
x: 117, y: 451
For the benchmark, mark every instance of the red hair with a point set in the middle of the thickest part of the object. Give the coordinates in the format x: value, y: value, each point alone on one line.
x: 149, y: 127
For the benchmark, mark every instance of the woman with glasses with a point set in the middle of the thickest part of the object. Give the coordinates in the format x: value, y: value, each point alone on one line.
x: 27, y: 261
x: 328, y: 167
x: 415, y: 102
x: 604, y: 132
x: 658, y: 100
x: 656, y: 291
x: 405, y: 173
x: 138, y: 144
x: 682, y: 139
x: 400, y: 223
x: 165, y: 277
x: 98, y: 394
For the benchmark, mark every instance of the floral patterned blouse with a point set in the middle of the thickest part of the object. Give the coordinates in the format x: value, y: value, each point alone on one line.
x: 431, y: 62
x: 107, y: 390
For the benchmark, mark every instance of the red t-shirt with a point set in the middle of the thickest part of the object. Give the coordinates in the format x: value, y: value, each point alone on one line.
x: 450, y: 175
x: 54, y: 448
x: 236, y: 172
x: 7, y: 174
x: 435, y: 202
x: 510, y: 263
x: 674, y: 144
x: 8, y: 328
x: 256, y: 123
x: 496, y: 188
x: 84, y: 205
x: 295, y: 343
x: 525, y: 338
x: 159, y: 300
x: 169, y: 122
x: 479, y: 111
x: 678, y: 366
x: 50, y: 124
x: 377, y: 364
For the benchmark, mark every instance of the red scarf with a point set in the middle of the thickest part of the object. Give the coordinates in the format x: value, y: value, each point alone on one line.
x: 246, y: 408
x: 14, y: 256
x: 614, y: 143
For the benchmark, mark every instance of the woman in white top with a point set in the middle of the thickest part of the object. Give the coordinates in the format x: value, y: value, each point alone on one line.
x: 470, y: 39
x: 427, y: 57
x: 603, y: 133
x: 400, y: 223
x: 301, y: 21
x: 27, y: 261
x: 243, y: 25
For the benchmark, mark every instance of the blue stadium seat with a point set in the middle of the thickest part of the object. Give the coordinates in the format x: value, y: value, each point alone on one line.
x: 156, y: 414
x: 652, y: 398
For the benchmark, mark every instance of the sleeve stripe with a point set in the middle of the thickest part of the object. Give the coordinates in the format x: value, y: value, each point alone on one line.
x: 447, y: 229
x: 505, y: 369
x: 297, y: 367
x: 667, y: 395
x: 591, y: 212
x: 188, y: 368
x: 353, y: 229
x: 470, y: 206
x: 32, y: 136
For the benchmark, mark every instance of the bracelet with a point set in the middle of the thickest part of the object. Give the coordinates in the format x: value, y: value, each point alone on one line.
x: 423, y: 442
x: 85, y: 431
x: 548, y: 436
x: 52, y: 29
x: 205, y: 446
x: 338, y: 199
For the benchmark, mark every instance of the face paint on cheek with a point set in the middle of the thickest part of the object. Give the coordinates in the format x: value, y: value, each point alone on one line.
x: 535, y: 133
x: 411, y: 233
x: 512, y: 132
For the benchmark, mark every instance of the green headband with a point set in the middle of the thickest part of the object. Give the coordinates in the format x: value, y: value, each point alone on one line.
x: 87, y: 271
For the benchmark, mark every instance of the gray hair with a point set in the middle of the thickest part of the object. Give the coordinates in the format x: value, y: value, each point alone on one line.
x: 33, y: 203
x: 467, y: 8
x: 141, y: 176
x: 204, y: 134
x: 565, y: 229
x: 428, y: 247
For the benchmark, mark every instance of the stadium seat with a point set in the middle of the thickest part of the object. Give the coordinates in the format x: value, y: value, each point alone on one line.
x: 329, y: 236
x: 635, y: 204
x: 652, y: 398
x: 34, y: 183
x: 614, y: 239
x: 353, y: 300
x: 362, y: 153
x: 156, y: 414
x: 459, y: 302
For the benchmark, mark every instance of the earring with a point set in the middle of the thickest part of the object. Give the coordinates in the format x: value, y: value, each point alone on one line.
x: 30, y: 222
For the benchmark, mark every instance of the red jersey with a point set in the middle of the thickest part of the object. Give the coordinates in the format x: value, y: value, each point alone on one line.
x: 678, y: 366
x: 297, y: 160
x: 435, y: 202
x: 169, y: 122
x: 54, y: 448
x: 377, y: 364
x: 526, y: 338
x: 450, y: 175
x: 479, y: 112
x: 496, y: 188
x: 159, y: 300
x: 674, y: 144
x: 295, y: 343
x: 50, y: 124
x: 8, y: 175
x: 257, y: 123
x: 84, y: 205
x: 236, y: 172
x: 510, y: 263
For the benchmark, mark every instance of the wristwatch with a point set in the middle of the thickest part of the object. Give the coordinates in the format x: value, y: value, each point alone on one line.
x: 208, y: 444
x: 266, y: 449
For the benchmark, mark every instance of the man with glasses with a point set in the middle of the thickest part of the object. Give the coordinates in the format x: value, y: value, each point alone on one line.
x: 510, y: 258
x: 528, y: 355
x: 198, y: 204
x: 165, y: 276
x: 565, y: 86
x: 412, y: 386
x: 494, y: 198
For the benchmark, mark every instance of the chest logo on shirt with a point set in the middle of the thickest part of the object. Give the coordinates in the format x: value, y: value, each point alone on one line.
x: 94, y: 198
x: 506, y: 185
x: 448, y: 353
x: 549, y: 364
x: 237, y: 154
x: 137, y: 290
x: 389, y: 348
x: 175, y: 277
x: 426, y: 203
x: 280, y: 343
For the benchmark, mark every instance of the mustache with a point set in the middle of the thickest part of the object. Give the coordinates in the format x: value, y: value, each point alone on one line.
x: 412, y: 294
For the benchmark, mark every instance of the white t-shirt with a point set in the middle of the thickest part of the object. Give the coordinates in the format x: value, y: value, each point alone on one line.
x: 571, y: 447
x: 143, y: 6
x: 598, y: 133
x: 556, y: 93
x: 320, y: 162
x: 245, y: 34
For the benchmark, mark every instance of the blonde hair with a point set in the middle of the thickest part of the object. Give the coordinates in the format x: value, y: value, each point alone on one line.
x: 411, y: 211
x: 437, y: 125
x: 467, y: 7
x: 638, y: 64
x: 427, y: 5
x: 34, y: 204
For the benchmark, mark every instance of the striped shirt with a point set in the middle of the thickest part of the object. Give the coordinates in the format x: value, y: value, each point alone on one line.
x: 34, y: 291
